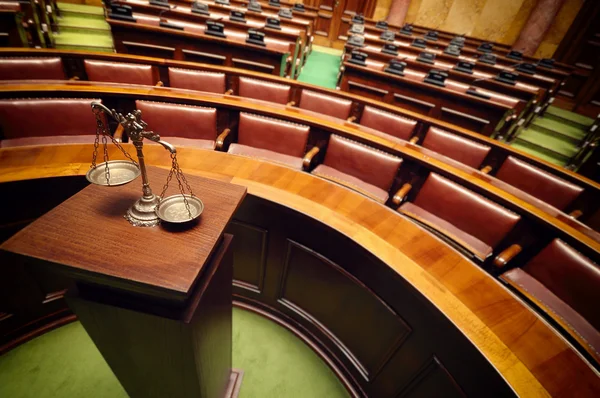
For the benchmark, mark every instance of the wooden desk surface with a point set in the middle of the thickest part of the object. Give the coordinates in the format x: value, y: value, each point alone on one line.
x: 102, y: 246
x: 525, y: 350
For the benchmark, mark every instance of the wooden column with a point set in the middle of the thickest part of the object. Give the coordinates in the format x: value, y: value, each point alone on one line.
x: 537, y: 25
x: 398, y: 11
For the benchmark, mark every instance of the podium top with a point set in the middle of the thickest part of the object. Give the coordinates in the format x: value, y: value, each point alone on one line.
x: 87, y: 237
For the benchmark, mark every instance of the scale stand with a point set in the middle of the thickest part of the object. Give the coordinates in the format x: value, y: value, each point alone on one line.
x: 149, y: 210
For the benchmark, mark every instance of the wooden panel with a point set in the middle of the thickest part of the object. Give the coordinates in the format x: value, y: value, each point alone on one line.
x: 433, y: 380
x: 249, y: 255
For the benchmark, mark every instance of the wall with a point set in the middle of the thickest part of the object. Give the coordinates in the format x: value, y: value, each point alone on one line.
x: 494, y: 20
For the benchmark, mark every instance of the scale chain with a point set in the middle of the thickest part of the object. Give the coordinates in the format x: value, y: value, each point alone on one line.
x: 176, y: 170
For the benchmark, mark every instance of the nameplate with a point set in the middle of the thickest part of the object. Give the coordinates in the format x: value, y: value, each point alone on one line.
x: 396, y: 67
x: 299, y: 7
x: 436, y: 77
x: 485, y: 48
x: 507, y: 77
x: 358, y: 58
x: 254, y: 6
x: 390, y: 48
x: 200, y: 8
x: 431, y: 35
x: 357, y: 18
x: 165, y: 24
x: 160, y: 3
x: 238, y: 16
x: 515, y: 55
x: 526, y: 67
x: 464, y: 66
x: 215, y: 29
x: 477, y: 94
x: 121, y: 12
x: 273, y: 23
x: 406, y: 30
x: 357, y: 28
x: 222, y: 2
x: 547, y: 63
x: 256, y: 37
x: 426, y: 57
x: 381, y: 25
x: 356, y: 40
x: 388, y: 35
x: 421, y: 43
x: 275, y: 3
x: 452, y: 50
x: 286, y: 13
x: 488, y: 59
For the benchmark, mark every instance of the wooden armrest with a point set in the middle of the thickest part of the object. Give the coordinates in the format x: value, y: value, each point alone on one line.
x: 351, y: 119
x: 159, y: 84
x: 74, y: 78
x: 291, y: 103
x: 414, y: 140
x: 229, y: 92
x: 575, y: 213
x: 486, y: 169
x: 221, y: 139
x: 118, y: 136
x: 401, y: 194
x: 507, y: 254
x: 309, y: 157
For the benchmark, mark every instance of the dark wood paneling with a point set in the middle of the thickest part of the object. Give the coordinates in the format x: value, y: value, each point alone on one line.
x: 249, y: 255
x: 433, y: 380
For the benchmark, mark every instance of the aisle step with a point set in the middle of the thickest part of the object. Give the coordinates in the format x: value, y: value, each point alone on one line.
x: 80, y: 8
x: 568, y: 117
x: 100, y: 41
x: 565, y: 132
x: 321, y: 68
x: 548, y: 143
x: 79, y: 24
x: 535, y: 151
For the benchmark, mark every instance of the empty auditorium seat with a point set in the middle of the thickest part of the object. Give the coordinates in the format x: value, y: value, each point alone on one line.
x: 388, y: 123
x: 544, y: 186
x: 467, y: 218
x: 262, y: 90
x: 453, y: 146
x: 119, y: 72
x: 31, y: 68
x: 199, y: 80
x: 565, y: 285
x: 181, y: 125
x: 357, y: 166
x: 271, y: 139
x: 46, y: 121
x: 326, y: 104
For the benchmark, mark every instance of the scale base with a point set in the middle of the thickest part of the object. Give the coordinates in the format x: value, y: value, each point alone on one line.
x: 142, y: 213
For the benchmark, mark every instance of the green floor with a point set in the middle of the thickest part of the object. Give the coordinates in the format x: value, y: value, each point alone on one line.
x: 322, y: 67
x: 82, y: 27
x: 65, y: 363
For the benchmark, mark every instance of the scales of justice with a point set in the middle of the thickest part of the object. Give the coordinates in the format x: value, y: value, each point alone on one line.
x: 150, y: 209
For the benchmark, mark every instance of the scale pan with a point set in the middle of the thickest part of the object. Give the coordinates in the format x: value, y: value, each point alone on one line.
x: 173, y: 210
x: 121, y: 172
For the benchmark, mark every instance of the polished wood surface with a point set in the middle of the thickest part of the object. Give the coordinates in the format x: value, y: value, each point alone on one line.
x: 531, y: 357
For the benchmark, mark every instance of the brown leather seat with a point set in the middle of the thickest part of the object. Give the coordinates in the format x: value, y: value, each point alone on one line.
x: 544, y: 186
x: 388, y: 123
x: 460, y: 149
x: 119, y: 72
x: 326, y: 104
x: 566, y: 285
x: 181, y: 125
x: 357, y: 166
x: 262, y: 90
x: 470, y: 220
x: 31, y: 68
x: 213, y: 82
x: 46, y: 121
x: 271, y: 139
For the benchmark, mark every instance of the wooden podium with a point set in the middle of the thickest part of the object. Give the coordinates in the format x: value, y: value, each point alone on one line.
x: 155, y: 301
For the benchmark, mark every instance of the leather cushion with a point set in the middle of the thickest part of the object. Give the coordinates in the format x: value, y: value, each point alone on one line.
x: 388, y: 123
x: 367, y: 164
x: 326, y: 104
x: 197, y: 80
x: 544, y: 186
x: 351, y: 182
x: 21, y: 118
x: 272, y: 134
x: 571, y: 276
x: 460, y: 149
x: 471, y: 243
x: 556, y: 308
x: 31, y: 68
x: 118, y: 72
x: 177, y: 120
x: 466, y: 210
x: 265, y: 154
x: 265, y: 91
x: 54, y: 140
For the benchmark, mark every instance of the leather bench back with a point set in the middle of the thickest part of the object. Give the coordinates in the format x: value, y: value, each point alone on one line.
x: 262, y: 90
x: 119, y: 72
x: 460, y: 149
x: 544, y: 186
x: 571, y: 276
x: 31, y: 68
x: 213, y: 82
x: 477, y: 216
x: 176, y: 120
x: 326, y: 104
x: 388, y: 123
x: 272, y: 134
x: 368, y: 164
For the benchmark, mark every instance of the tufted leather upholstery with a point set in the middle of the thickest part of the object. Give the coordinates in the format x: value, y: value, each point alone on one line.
x: 470, y: 219
x: 265, y: 91
x: 455, y: 147
x: 321, y: 103
x: 191, y: 125
x: 31, y: 68
x: 388, y: 123
x: 213, y: 82
x: 364, y: 169
x: 118, y: 72
x: 46, y: 121
x: 567, y: 284
x: 271, y: 139
x: 538, y: 183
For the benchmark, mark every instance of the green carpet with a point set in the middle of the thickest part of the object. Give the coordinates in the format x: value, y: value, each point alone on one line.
x: 83, y: 27
x: 65, y: 363
x: 321, y: 68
